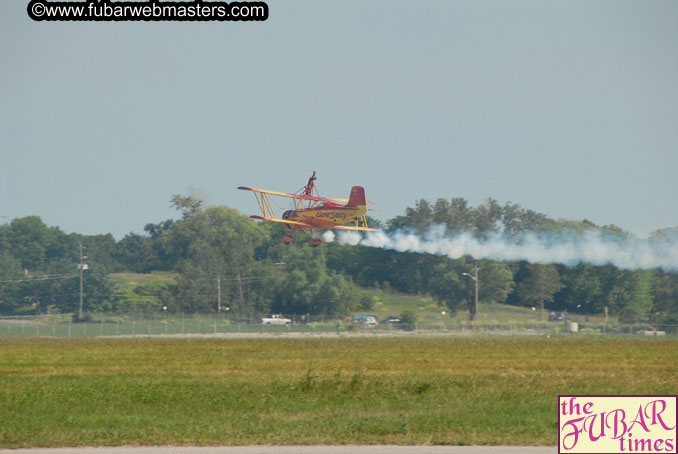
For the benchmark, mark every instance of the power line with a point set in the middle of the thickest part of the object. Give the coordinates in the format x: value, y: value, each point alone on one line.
x: 46, y: 278
x: 226, y: 281
x: 50, y: 296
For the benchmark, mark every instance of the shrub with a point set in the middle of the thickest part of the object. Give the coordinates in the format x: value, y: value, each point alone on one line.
x: 365, y: 302
x: 408, y: 320
x: 86, y: 317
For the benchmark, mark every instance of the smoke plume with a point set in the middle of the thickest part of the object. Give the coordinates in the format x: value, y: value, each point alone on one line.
x: 592, y: 247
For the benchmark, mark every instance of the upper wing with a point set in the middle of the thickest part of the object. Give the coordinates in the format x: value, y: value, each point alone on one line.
x: 292, y: 196
x: 296, y: 196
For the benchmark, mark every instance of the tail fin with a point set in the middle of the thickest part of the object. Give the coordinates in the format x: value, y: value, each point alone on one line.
x: 357, y: 197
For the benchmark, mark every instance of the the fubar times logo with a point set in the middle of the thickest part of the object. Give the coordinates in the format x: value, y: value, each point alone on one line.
x: 617, y: 424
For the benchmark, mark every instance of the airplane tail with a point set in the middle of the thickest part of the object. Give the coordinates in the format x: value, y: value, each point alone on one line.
x: 357, y: 197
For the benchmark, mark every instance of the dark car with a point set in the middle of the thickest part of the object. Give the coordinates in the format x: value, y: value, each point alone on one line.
x: 392, y: 319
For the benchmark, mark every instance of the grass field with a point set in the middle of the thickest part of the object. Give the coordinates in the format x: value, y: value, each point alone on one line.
x: 128, y: 281
x: 418, y: 390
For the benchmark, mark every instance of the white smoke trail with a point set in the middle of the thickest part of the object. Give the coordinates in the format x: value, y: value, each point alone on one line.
x: 593, y: 247
x: 328, y: 236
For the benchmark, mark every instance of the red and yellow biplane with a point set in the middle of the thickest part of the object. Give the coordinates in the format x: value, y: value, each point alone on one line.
x: 313, y: 212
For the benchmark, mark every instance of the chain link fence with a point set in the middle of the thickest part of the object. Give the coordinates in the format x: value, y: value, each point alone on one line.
x: 221, y: 324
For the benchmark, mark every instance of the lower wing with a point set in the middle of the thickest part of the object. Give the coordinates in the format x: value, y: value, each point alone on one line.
x: 309, y: 226
x: 350, y: 227
x: 282, y: 221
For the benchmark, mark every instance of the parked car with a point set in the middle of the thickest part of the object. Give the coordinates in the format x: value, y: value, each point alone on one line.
x: 367, y: 320
x: 390, y: 319
x: 276, y: 320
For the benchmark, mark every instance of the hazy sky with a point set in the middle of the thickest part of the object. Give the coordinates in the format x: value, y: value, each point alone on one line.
x: 569, y: 108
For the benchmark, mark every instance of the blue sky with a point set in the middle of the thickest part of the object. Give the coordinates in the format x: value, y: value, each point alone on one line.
x: 567, y: 108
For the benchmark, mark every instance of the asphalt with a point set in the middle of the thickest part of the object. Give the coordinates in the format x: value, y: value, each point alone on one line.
x: 381, y: 449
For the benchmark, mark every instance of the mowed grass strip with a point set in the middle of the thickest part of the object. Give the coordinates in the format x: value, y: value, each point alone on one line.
x: 425, y: 390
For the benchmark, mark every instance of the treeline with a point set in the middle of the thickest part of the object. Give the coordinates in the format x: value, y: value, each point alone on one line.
x: 222, y: 258
x: 633, y: 296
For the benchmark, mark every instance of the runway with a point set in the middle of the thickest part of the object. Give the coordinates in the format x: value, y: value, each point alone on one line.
x: 379, y: 449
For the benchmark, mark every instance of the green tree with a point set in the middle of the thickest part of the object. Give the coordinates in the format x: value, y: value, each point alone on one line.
x: 97, y: 292
x: 147, y: 297
x: 418, y: 218
x: 486, y: 218
x: 219, y: 247
x: 99, y: 250
x: 10, y: 283
x: 135, y: 253
x: 129, y: 302
x: 28, y: 240
x: 365, y: 302
x: 631, y: 297
x: 517, y: 221
x: 496, y: 281
x: 441, y: 211
x: 304, y: 285
x: 189, y: 205
x: 540, y: 286
x: 460, y: 216
x: 665, y: 298
x: 48, y: 258
x: 448, y: 287
x: 408, y: 320
x: 582, y: 289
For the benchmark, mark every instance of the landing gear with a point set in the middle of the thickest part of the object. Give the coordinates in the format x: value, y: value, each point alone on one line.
x: 288, y: 238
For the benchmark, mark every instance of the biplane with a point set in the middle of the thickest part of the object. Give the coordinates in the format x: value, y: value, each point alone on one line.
x: 312, y: 212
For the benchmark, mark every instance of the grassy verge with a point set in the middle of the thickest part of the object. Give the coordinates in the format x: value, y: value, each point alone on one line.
x: 128, y: 281
x: 428, y: 311
x: 394, y: 303
x: 283, y: 391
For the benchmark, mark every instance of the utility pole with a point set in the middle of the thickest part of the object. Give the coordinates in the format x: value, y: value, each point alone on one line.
x: 475, y: 266
x: 219, y: 293
x: 475, y: 278
x: 81, y: 267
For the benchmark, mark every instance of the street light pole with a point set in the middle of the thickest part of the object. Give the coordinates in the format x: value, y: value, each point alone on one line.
x: 218, y: 293
x: 81, y: 267
x: 475, y: 279
x: 475, y: 266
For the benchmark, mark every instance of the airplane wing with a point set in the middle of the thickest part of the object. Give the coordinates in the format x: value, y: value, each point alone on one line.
x: 292, y: 196
x: 303, y: 224
x: 352, y: 227
x: 296, y: 196
x: 283, y: 221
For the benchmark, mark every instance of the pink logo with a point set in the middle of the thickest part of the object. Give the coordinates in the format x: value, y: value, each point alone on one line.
x: 617, y: 424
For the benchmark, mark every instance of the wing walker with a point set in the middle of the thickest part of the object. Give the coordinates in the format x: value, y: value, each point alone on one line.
x: 312, y: 212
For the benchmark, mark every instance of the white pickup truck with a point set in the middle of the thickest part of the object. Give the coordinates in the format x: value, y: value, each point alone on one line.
x: 276, y: 320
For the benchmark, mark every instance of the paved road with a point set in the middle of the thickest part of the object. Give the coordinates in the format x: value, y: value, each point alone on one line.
x: 385, y: 449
